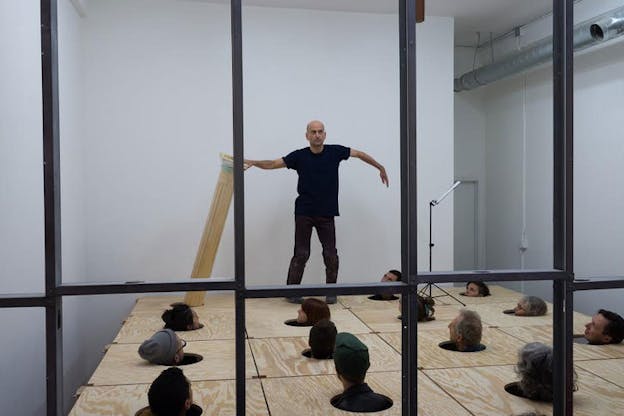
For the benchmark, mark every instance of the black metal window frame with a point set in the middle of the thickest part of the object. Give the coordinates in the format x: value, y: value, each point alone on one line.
x: 562, y: 273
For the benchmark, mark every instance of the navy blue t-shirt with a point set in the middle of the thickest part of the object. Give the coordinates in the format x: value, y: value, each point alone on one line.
x: 318, y: 179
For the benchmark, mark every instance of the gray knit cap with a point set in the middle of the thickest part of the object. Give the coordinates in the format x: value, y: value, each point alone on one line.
x: 160, y: 348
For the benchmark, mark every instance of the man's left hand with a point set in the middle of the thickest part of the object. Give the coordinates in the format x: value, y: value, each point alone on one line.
x: 384, y: 177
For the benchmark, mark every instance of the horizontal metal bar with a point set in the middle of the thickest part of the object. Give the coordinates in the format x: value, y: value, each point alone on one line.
x: 325, y: 290
x: 24, y: 300
x: 492, y: 276
x: 189, y: 285
x: 213, y: 284
x: 599, y: 284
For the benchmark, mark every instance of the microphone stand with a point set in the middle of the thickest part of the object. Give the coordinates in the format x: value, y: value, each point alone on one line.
x: 432, y: 204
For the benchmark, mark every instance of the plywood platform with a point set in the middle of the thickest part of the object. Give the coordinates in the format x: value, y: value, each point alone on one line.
x: 498, y: 294
x: 610, y: 370
x: 481, y: 391
x: 581, y: 351
x: 492, y: 315
x: 280, y: 357
x: 500, y: 349
x: 386, y: 320
x: 214, y: 397
x: 218, y: 324
x: 364, y: 302
x: 312, y: 394
x: 155, y: 305
x: 122, y: 365
x: 451, y: 383
x: 265, y: 319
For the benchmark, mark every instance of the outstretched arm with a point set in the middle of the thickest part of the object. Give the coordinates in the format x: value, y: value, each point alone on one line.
x: 267, y: 164
x: 368, y: 159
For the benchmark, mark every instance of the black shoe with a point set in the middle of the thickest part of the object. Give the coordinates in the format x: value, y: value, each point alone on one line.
x: 298, y: 300
x: 330, y: 300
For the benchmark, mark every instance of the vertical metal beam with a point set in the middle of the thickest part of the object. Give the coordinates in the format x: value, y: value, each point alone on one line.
x: 569, y: 352
x: 54, y: 357
x: 409, y: 241
x: 52, y: 204
x: 563, y: 203
x: 568, y: 86
x: 239, y: 200
x: 559, y: 360
x: 405, y: 379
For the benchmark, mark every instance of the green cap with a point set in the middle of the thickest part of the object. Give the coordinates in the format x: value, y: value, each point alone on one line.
x: 351, y: 357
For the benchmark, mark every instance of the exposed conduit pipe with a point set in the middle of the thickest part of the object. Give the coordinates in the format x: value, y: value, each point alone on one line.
x: 524, y: 243
x: 596, y: 30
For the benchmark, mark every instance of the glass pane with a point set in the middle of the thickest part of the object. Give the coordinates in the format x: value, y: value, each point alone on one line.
x: 342, y: 69
x: 132, y: 348
x: 597, y: 151
x: 503, y: 139
x: 21, y: 176
x: 22, y: 385
x: 145, y: 95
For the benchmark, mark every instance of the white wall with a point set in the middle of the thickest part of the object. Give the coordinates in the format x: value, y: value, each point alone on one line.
x: 435, y: 112
x: 469, y: 148
x: 598, y: 90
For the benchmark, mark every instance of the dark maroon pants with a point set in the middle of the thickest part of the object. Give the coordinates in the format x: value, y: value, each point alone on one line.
x: 327, y: 235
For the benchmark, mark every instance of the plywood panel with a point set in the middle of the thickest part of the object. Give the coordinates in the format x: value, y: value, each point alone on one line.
x: 314, y: 392
x: 492, y: 315
x: 498, y: 294
x: 385, y: 320
x: 282, y: 304
x: 581, y: 351
x: 610, y: 370
x: 218, y: 324
x: 215, y: 222
x: 214, y: 397
x: 364, y: 302
x: 122, y: 365
x: 481, y: 390
x: 155, y: 305
x: 280, y: 357
x: 265, y: 319
x: 501, y: 349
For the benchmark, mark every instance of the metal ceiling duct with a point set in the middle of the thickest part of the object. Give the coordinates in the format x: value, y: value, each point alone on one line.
x: 596, y: 30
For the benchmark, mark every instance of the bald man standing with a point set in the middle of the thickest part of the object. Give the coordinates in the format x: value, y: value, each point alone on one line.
x: 317, y: 203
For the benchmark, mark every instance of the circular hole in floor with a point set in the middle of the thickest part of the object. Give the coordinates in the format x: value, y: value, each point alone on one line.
x: 190, y: 358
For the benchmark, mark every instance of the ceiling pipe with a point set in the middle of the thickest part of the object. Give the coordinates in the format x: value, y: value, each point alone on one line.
x: 596, y: 30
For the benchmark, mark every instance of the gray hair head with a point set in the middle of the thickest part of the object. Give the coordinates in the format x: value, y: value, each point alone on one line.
x: 533, y: 306
x: 469, y: 327
x: 535, y: 370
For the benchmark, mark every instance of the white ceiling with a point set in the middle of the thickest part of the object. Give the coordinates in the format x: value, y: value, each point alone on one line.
x: 471, y: 16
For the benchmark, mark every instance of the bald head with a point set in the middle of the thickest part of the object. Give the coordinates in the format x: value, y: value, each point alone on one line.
x: 315, y: 125
x: 315, y: 134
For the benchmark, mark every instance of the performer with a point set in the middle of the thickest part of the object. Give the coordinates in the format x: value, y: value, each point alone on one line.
x: 317, y: 203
